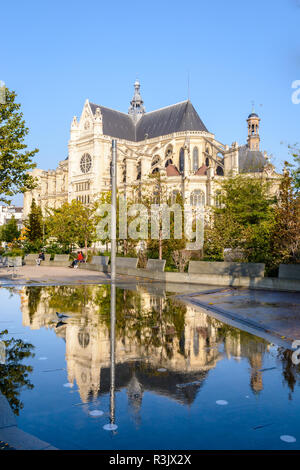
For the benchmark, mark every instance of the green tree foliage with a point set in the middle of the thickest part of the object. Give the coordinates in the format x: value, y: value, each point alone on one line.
x: 13, y: 374
x: 73, y: 223
x: 10, y: 231
x: 286, y: 235
x: 34, y: 223
x: 244, y: 221
x: 157, y: 193
x: 295, y: 173
x: 15, y: 160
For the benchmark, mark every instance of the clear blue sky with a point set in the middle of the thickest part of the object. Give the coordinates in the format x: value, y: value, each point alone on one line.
x: 55, y: 54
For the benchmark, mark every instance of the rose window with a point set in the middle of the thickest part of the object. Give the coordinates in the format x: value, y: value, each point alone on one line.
x: 85, y: 163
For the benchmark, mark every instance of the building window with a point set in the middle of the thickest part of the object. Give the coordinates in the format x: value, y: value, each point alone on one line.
x: 155, y: 164
x: 197, y: 198
x: 218, y: 199
x: 85, y: 163
x: 174, y: 195
x: 139, y: 171
x: 169, y: 152
x: 84, y: 199
x: 83, y: 338
x: 220, y: 171
x: 83, y: 186
x: 195, y: 159
x: 181, y: 160
x: 169, y: 162
x: 155, y: 160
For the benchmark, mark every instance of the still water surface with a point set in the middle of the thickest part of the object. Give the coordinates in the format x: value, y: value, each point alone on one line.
x: 183, y: 380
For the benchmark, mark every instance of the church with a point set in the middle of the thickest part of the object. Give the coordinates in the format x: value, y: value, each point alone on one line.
x: 172, y: 140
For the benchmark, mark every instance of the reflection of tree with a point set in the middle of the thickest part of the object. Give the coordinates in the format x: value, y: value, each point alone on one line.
x: 241, y: 343
x: 154, y: 328
x: 34, y: 297
x: 13, y: 374
x: 69, y: 298
x: 290, y: 371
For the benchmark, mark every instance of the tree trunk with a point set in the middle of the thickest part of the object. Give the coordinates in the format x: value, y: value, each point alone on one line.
x: 160, y: 245
x: 86, y: 249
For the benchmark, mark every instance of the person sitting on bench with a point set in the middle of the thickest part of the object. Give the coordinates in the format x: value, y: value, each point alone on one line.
x: 78, y: 260
x: 40, y: 258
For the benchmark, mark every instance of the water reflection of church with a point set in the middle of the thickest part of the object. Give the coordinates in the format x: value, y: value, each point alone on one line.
x: 152, y: 332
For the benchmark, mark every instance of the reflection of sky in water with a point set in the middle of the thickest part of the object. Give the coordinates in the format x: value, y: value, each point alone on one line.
x: 175, y: 366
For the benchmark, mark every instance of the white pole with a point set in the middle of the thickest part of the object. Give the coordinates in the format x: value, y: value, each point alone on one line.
x: 112, y: 284
x: 113, y: 210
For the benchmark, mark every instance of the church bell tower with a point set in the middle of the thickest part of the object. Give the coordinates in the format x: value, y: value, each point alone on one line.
x: 253, y: 131
x: 136, y: 109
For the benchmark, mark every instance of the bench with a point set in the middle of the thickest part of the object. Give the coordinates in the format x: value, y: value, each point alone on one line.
x: 156, y: 265
x: 12, y: 262
x: 59, y: 260
x: 289, y: 271
x: 126, y: 263
x: 46, y: 261
x: 31, y: 259
x: 99, y: 263
x: 224, y: 268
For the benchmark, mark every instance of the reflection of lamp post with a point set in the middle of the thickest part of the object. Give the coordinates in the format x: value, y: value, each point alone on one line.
x: 112, y: 426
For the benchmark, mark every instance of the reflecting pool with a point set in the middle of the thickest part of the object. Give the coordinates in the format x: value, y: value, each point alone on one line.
x: 183, y: 380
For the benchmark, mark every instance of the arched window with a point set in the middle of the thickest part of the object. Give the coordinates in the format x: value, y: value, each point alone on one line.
x: 168, y: 162
x: 85, y: 163
x: 207, y: 156
x: 169, y: 152
x: 197, y: 198
x: 155, y: 160
x: 124, y: 170
x: 181, y: 160
x: 139, y: 171
x: 218, y: 198
x: 174, y: 195
x: 195, y: 159
x: 155, y: 164
x: 83, y: 338
x: 220, y: 171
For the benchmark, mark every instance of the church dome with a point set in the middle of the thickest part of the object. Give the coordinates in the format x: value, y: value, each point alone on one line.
x: 253, y: 115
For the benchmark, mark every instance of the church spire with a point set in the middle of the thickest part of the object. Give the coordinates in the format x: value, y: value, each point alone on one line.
x: 136, y: 109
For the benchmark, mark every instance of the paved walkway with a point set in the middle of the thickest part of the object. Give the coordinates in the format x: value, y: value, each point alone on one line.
x: 50, y: 275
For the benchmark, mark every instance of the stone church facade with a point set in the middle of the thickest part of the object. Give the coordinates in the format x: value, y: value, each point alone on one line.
x: 172, y: 140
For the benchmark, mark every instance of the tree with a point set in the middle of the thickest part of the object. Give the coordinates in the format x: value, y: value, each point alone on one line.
x: 15, y: 160
x: 73, y: 223
x: 34, y: 224
x: 10, y: 231
x: 286, y: 236
x: 295, y: 152
x: 244, y: 221
x: 157, y: 193
x: 13, y: 374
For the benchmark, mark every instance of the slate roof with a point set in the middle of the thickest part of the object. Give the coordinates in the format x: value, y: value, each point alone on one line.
x: 178, y: 117
x: 160, y: 384
x: 251, y: 161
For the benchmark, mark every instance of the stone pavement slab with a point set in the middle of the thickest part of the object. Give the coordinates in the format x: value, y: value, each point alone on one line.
x: 21, y: 440
x: 15, y: 437
x: 7, y: 417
